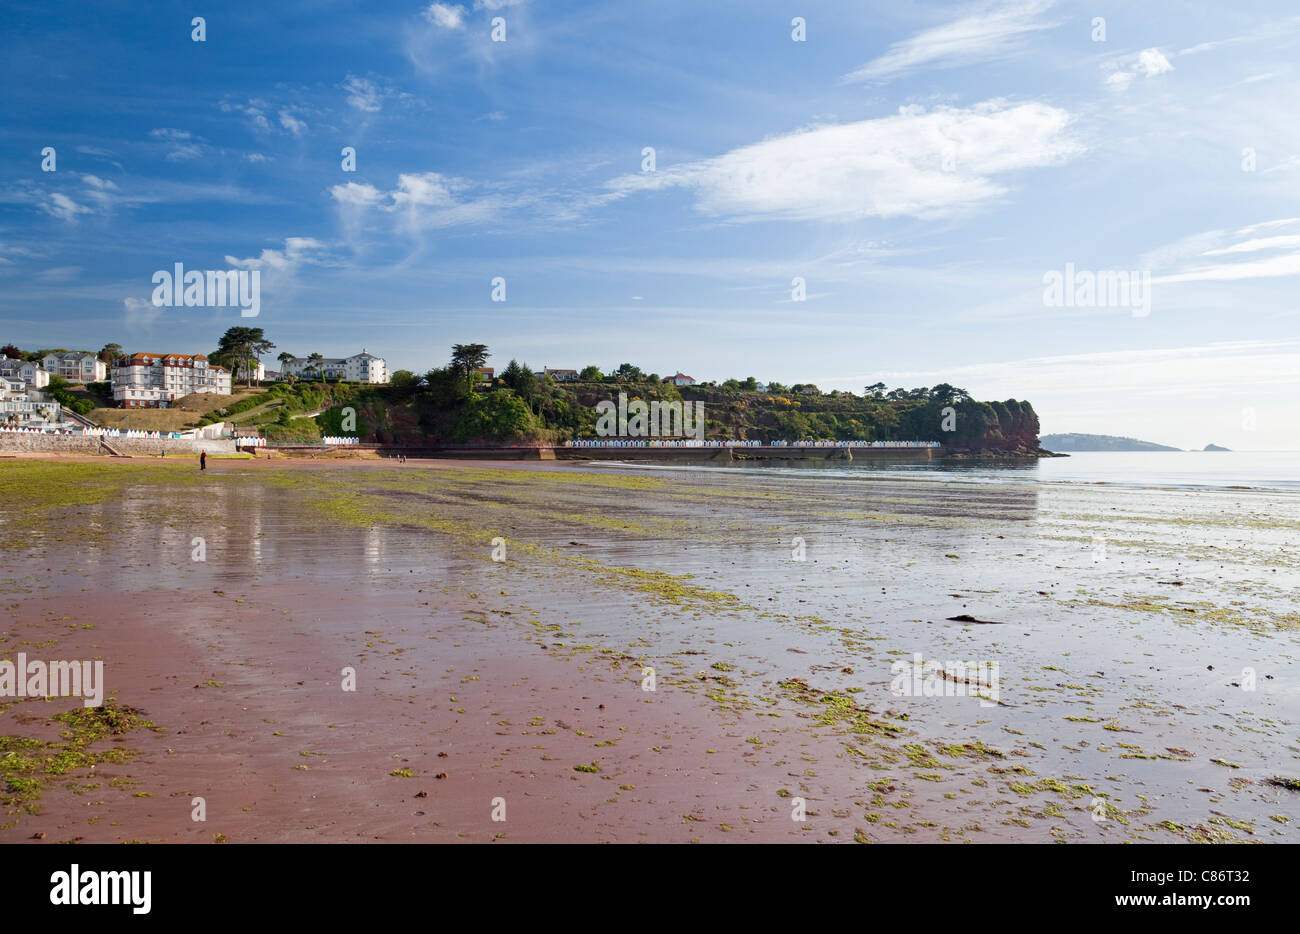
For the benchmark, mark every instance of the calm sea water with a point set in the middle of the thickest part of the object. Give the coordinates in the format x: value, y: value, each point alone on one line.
x: 1262, y: 470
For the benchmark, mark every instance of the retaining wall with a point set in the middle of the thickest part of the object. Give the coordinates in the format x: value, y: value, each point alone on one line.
x: 25, y: 443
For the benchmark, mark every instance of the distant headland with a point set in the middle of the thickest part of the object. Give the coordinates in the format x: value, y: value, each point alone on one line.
x: 1080, y: 442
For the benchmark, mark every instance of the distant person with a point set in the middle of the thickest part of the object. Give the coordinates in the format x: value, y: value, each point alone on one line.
x: 203, y: 460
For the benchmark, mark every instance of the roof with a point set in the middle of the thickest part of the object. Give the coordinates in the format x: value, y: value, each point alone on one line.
x: 138, y: 359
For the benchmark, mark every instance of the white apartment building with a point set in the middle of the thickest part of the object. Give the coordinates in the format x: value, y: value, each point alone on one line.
x: 358, y: 368
x: 76, y: 367
x: 150, y: 380
x: 24, y: 371
x: 21, y: 407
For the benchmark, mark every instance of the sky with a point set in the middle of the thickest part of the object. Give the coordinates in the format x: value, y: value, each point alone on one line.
x: 836, y: 193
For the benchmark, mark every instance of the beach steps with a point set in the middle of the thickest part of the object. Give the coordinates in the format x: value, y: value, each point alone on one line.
x: 110, y: 449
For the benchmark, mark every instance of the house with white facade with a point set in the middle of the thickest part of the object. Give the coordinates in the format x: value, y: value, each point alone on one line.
x: 150, y: 380
x: 560, y: 376
x: 76, y: 367
x: 358, y: 368
x: 681, y: 379
x: 23, y: 407
x: 24, y: 371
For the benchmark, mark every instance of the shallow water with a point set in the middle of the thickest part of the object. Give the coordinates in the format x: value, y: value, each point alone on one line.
x: 1264, y: 470
x: 1121, y: 614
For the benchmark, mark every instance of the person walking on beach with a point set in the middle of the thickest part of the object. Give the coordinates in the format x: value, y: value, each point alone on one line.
x: 203, y: 460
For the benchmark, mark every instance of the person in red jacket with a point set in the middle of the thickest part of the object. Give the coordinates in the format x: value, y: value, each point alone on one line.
x: 203, y: 460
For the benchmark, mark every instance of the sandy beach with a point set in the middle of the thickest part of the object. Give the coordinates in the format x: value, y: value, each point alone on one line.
x: 500, y: 618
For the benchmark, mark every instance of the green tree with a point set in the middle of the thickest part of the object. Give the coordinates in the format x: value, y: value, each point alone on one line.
x: 591, y: 373
x: 444, y: 388
x: 521, y: 378
x: 466, y: 358
x: 244, y: 346
x: 110, y: 352
x: 315, y: 361
x: 403, y: 382
x: 494, y: 416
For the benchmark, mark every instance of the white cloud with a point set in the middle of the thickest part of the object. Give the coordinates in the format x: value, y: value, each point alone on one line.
x: 61, y: 206
x: 917, y: 163
x: 363, y: 94
x: 296, y: 250
x: 1188, y: 256
x: 1147, y: 63
x: 182, y: 146
x: 357, y: 194
x: 292, y: 123
x: 1151, y: 62
x: 422, y: 189
x: 989, y: 30
x: 445, y: 15
x: 255, y: 110
x: 423, y: 200
x: 1259, y: 243
x: 94, y: 181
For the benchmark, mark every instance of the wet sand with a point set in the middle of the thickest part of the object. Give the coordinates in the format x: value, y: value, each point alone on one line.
x: 772, y: 674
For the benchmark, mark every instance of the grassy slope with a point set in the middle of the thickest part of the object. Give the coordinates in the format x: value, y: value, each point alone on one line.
x: 184, y: 413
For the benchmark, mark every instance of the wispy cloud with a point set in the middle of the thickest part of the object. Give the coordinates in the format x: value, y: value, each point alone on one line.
x: 423, y: 201
x: 1195, y: 259
x: 987, y: 31
x: 919, y: 163
x: 363, y: 94
x: 292, y: 124
x: 181, y: 145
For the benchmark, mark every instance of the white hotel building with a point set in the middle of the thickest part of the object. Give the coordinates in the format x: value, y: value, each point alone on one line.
x: 358, y: 368
x: 150, y: 380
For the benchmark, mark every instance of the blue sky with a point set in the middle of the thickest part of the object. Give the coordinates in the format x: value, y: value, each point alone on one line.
x: 921, y: 166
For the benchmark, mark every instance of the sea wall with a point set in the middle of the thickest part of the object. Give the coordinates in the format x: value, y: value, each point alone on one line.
x: 14, y: 442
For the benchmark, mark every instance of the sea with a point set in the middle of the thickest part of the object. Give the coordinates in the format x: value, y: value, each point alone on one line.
x: 1215, y: 470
